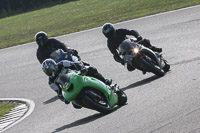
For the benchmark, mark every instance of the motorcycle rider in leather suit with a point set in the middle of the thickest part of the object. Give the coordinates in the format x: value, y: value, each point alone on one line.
x: 116, y: 36
x: 52, y: 69
x: 46, y: 46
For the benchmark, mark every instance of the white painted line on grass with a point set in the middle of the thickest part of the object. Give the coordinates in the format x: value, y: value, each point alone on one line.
x: 16, y: 114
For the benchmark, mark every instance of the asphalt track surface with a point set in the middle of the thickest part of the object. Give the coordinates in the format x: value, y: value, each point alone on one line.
x: 155, y: 105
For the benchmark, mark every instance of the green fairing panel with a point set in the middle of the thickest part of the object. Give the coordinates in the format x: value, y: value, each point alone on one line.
x: 77, y: 82
x: 94, y: 83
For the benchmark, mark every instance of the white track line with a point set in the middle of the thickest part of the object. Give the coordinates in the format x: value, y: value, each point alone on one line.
x: 16, y: 114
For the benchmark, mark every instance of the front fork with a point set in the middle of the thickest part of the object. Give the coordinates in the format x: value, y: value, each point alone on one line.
x: 136, y: 63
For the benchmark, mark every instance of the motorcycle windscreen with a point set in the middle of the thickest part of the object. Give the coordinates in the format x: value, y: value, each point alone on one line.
x: 65, y: 81
x: 126, y: 47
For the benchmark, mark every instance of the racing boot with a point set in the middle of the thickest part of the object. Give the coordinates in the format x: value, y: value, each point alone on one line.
x: 60, y: 96
x: 76, y: 106
x: 67, y: 102
x: 144, y: 72
x: 166, y: 68
x: 108, y: 81
x: 130, y: 68
x: 146, y: 43
x: 114, y: 87
x: 155, y: 49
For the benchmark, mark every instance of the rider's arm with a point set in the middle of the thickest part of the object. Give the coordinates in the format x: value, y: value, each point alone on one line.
x: 56, y: 44
x: 72, y: 65
x: 40, y: 56
x: 68, y: 49
x: 115, y: 53
x: 60, y: 45
x: 118, y: 58
x: 65, y: 63
x: 133, y: 33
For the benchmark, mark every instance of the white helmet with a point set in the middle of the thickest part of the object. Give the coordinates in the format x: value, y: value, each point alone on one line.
x: 49, y: 67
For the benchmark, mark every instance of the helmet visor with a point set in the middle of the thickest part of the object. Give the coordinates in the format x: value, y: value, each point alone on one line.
x: 41, y: 42
x: 49, y: 67
x: 110, y: 34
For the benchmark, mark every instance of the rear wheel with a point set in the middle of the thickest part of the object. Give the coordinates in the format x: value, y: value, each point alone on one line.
x: 152, y: 67
x: 96, y: 102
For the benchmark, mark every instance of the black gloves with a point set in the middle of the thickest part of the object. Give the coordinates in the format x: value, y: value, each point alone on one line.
x: 118, y: 58
x: 74, y: 52
x: 84, y: 70
x: 139, y: 38
x: 77, y: 66
x: 85, y: 63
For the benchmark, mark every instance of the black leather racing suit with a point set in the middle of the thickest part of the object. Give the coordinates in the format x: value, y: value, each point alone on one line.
x: 120, y: 35
x: 44, y: 52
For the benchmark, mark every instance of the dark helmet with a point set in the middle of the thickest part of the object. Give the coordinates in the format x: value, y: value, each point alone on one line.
x: 41, y: 38
x: 49, y: 67
x: 108, y: 30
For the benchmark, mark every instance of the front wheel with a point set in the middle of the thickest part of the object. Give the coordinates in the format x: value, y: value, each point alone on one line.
x: 96, y: 102
x: 152, y: 67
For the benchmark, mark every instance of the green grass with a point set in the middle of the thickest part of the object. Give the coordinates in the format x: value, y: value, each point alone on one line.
x: 5, y: 108
x: 79, y: 15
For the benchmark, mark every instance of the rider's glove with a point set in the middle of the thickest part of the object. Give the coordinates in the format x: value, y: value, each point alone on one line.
x: 139, y: 38
x: 84, y: 70
x: 85, y: 63
x: 74, y: 52
x: 77, y: 66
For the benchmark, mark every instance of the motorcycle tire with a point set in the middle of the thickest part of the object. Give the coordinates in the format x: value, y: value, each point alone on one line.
x: 152, y: 68
x: 94, y: 104
x: 122, y: 98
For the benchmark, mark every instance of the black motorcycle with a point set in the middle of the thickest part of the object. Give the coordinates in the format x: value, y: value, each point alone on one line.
x: 143, y: 58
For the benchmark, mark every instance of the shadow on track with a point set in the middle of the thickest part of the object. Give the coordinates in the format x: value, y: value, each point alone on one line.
x: 80, y: 122
x: 84, y: 120
x: 142, y: 82
x: 51, y: 100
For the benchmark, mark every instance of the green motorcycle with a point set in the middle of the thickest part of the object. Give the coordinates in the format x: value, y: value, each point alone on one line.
x: 89, y: 92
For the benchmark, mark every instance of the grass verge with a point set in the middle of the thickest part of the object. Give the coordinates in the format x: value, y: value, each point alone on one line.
x: 79, y: 15
x: 6, y: 106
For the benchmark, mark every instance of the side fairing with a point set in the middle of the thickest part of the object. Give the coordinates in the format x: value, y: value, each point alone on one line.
x: 72, y: 84
x: 72, y: 88
x: 94, y: 83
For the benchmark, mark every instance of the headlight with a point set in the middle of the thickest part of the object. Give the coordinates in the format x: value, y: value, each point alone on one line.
x: 135, y: 50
